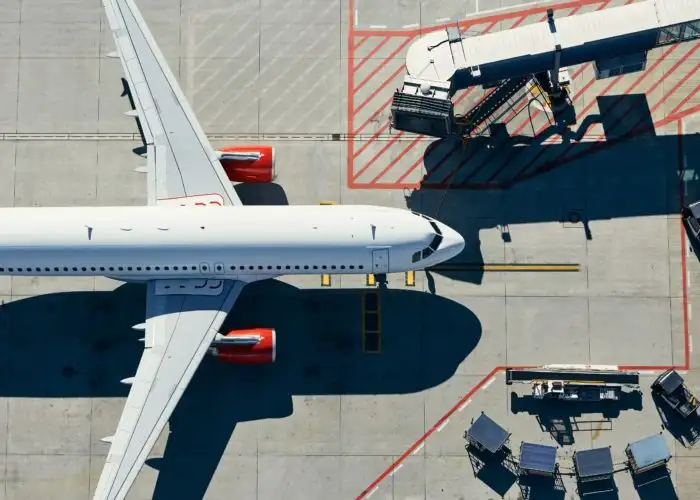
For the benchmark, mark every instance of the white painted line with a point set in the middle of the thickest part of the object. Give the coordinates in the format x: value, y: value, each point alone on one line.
x: 690, y: 311
x: 442, y: 20
x: 491, y: 381
x: 690, y: 343
x: 465, y: 404
x: 442, y: 426
x: 688, y: 280
x: 396, y: 470
x: 408, y: 26
x: 419, y: 448
x: 372, y: 492
x: 377, y: 26
x: 512, y: 7
x: 357, y: 18
x: 647, y: 372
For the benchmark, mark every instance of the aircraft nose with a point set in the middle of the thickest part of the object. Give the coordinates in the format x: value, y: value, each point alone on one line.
x: 452, y: 242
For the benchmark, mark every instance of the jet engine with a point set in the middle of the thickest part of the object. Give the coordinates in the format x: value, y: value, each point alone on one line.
x: 254, y: 164
x: 257, y: 346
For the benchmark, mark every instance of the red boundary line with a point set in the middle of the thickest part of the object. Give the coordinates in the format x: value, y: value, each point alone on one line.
x: 686, y: 366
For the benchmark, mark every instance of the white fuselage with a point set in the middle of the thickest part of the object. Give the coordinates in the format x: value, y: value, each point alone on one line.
x: 249, y: 242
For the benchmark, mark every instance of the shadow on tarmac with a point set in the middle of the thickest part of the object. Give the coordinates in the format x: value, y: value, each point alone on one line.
x: 80, y: 344
x: 638, y: 176
x: 560, y: 418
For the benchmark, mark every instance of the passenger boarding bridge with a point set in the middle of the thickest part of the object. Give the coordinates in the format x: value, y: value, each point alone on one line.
x: 443, y: 62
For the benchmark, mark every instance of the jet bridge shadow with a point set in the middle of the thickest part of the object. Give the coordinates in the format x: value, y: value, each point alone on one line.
x: 635, y: 176
x: 80, y: 344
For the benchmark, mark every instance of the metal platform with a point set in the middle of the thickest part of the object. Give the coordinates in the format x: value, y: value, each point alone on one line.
x: 572, y: 375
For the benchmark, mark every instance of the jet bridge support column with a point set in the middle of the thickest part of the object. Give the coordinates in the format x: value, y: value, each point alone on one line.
x: 554, y: 72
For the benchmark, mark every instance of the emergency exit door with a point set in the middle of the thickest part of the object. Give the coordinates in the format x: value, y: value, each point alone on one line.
x: 380, y: 261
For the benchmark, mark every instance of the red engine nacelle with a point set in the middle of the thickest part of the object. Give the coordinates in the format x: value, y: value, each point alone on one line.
x: 254, y: 164
x: 258, y: 346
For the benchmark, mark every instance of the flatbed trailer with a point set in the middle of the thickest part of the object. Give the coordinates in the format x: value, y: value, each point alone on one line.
x: 570, y: 374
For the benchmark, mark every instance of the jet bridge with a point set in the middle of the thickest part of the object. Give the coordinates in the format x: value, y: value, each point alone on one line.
x: 615, y: 39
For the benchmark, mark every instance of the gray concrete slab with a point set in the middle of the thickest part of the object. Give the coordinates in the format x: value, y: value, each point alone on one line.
x: 53, y: 429
x: 301, y: 95
x: 536, y: 327
x: 32, y: 476
x: 55, y: 174
x: 399, y: 419
x: 618, y: 323
x: 49, y: 40
x: 313, y: 429
x: 57, y: 108
x: 8, y: 95
x: 298, y: 476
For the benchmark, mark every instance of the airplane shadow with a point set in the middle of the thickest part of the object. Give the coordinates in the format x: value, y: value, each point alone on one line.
x: 80, y: 344
x: 503, y: 180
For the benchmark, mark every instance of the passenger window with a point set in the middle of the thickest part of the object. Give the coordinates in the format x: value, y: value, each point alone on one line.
x: 92, y: 269
x: 306, y: 267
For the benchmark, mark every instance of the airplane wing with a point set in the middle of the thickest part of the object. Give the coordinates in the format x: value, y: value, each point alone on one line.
x: 179, y: 330
x: 183, y: 317
x: 180, y: 161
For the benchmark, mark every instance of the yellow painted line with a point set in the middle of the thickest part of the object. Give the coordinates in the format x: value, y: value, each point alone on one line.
x: 325, y: 280
x: 326, y: 202
x: 410, y: 278
x: 371, y: 280
x: 509, y: 267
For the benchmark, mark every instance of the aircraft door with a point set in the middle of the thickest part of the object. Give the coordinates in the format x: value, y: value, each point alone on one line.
x: 380, y: 261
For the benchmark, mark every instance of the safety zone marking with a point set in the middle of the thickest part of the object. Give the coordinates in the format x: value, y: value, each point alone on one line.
x: 396, y: 160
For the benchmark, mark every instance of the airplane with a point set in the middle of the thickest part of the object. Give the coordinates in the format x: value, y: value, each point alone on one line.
x: 196, y: 246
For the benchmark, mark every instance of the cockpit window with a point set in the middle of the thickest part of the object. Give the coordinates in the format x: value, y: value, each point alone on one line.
x: 434, y: 243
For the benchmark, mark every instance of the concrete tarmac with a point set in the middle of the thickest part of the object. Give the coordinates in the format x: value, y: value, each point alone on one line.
x: 329, y: 420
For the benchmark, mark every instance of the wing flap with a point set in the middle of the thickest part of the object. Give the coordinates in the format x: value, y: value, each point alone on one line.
x: 181, y: 329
